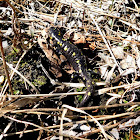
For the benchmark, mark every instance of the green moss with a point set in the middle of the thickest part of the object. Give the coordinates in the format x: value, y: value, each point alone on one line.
x: 120, y: 92
x: 23, y: 64
x: 41, y: 80
x: 127, y: 48
x: 12, y: 54
x: 80, y: 97
x: 137, y: 108
x: 16, y: 92
x: 125, y: 101
x: 126, y: 136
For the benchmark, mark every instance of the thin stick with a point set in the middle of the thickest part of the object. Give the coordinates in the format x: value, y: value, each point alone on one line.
x: 14, y: 8
x: 94, y: 22
x: 83, y: 108
x: 22, y: 77
x: 4, y: 88
x: 41, y: 128
x: 5, y: 66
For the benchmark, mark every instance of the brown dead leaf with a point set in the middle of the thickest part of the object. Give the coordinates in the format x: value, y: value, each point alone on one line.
x: 53, y: 58
x: 15, y: 104
x: 93, y: 46
x: 68, y: 68
x: 76, y: 37
x: 89, y: 39
x: 79, y: 38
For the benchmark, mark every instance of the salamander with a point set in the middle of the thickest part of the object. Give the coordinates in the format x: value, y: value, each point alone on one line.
x: 76, y: 58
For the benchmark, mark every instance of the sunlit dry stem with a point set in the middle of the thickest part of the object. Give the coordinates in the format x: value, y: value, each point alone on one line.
x: 5, y: 66
x: 14, y: 8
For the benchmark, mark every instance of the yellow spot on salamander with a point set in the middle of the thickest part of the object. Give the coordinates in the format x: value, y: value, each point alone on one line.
x: 59, y: 34
x: 58, y: 42
x: 50, y: 37
x: 88, y: 85
x: 89, y: 93
x: 65, y: 49
x: 80, y: 71
x: 73, y: 54
x: 77, y: 61
x: 63, y: 39
x: 93, y: 82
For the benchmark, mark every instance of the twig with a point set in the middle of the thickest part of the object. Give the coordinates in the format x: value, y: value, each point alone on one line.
x: 78, y: 122
x: 130, y: 24
x: 94, y: 119
x: 114, y: 125
x: 6, y: 129
x: 94, y: 22
x: 5, y: 66
x: 136, y: 6
x: 44, y: 95
x: 22, y: 77
x: 40, y: 127
x: 14, y: 8
x: 83, y: 108
x: 12, y: 74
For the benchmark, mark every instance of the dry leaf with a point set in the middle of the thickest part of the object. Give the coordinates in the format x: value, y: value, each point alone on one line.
x: 107, y: 59
x: 54, y: 60
x: 128, y: 62
x: 93, y: 46
x: 118, y: 52
x: 79, y: 38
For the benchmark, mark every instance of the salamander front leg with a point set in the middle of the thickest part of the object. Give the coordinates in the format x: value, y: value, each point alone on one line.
x: 74, y: 76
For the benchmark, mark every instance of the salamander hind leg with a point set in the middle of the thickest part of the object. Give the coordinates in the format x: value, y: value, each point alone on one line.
x: 90, y: 90
x: 85, y: 99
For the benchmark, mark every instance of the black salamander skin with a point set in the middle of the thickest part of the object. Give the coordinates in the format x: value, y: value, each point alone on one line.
x: 75, y: 58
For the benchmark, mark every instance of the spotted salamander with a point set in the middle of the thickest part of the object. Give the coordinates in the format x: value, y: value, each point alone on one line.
x: 75, y: 58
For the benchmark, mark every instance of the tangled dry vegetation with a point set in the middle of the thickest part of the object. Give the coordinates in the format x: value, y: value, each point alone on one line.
x: 38, y: 98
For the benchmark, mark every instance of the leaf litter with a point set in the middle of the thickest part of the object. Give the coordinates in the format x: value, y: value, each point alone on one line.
x: 108, y: 34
